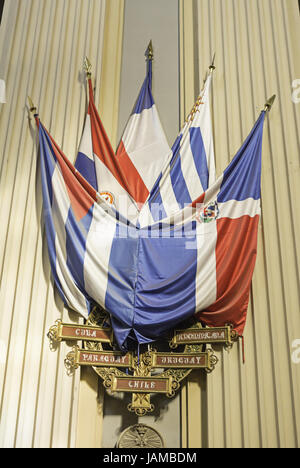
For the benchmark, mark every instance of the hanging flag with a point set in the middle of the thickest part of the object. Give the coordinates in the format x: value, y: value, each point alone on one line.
x: 143, y: 150
x: 198, y: 261
x: 124, y: 179
x: 191, y: 168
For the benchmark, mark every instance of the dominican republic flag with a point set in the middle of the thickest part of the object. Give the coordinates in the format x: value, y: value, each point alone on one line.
x: 197, y: 262
x: 124, y: 179
x: 191, y: 167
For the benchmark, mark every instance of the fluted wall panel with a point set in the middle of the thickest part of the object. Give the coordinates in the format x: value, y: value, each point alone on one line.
x: 42, y: 44
x: 256, y: 403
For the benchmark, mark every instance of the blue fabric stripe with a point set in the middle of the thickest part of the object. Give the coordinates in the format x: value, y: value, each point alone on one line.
x: 199, y: 155
x: 86, y: 167
x: 151, y: 281
x: 122, y: 271
x: 157, y: 208
x: 241, y: 179
x: 166, y: 283
x: 179, y: 184
x: 76, y: 236
x: 145, y: 99
x: 47, y: 169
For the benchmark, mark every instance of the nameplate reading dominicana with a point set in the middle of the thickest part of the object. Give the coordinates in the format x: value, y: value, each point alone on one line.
x: 201, y: 335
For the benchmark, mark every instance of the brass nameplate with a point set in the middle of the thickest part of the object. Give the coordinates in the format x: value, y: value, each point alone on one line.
x: 65, y: 331
x: 142, y: 384
x: 82, y: 357
x: 202, y: 335
x: 181, y: 360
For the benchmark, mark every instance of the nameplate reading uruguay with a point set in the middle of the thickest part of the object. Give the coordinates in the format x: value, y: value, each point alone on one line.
x: 177, y: 360
x: 142, y: 384
x: 83, y: 332
x: 103, y: 358
x: 201, y: 335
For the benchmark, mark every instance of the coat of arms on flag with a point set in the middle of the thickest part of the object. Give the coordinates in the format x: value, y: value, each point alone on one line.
x: 118, y: 225
x: 208, y: 213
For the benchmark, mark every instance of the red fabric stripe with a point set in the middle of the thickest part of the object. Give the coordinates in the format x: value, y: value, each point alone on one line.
x: 138, y: 189
x: 235, y: 260
x: 82, y: 195
x: 198, y: 201
x: 121, y: 167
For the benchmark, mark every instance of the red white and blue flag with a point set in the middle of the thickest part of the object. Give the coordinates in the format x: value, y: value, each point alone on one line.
x: 198, y: 261
x: 190, y: 169
x: 125, y: 178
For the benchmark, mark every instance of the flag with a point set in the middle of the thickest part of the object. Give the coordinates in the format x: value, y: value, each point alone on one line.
x: 143, y: 150
x: 124, y: 179
x: 197, y: 262
x: 191, y: 167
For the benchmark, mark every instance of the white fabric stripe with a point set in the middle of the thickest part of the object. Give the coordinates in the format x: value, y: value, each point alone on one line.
x: 146, y: 144
x: 60, y: 208
x: 206, y: 279
x: 189, y: 170
x: 145, y: 217
x: 85, y: 145
x: 98, y: 247
x: 202, y: 120
x: 122, y: 200
x: 235, y: 209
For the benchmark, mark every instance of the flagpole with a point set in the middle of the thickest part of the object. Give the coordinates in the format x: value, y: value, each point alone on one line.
x: 33, y: 110
x: 149, y: 52
x: 212, y: 65
x: 211, y: 69
x: 149, y: 59
x: 269, y: 103
x: 87, y: 66
x: 32, y: 107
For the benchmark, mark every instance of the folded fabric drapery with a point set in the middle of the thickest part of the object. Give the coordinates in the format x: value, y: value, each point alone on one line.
x: 196, y: 260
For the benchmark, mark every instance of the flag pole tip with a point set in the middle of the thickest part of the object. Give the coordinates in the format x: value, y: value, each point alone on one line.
x: 87, y: 66
x: 149, y: 51
x: 32, y: 107
x: 212, y: 65
x: 269, y: 103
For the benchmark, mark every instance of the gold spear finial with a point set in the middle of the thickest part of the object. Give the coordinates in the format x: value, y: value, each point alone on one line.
x: 212, y: 65
x: 149, y: 51
x: 32, y: 107
x: 269, y: 103
x: 87, y: 66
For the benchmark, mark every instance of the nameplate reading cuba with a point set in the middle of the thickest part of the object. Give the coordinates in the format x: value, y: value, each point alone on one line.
x: 85, y: 333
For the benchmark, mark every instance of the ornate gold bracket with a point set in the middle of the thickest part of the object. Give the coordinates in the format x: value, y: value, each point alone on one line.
x: 152, y: 371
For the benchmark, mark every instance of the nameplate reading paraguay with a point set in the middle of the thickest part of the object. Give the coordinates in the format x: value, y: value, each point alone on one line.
x: 177, y: 360
x: 103, y: 358
x: 83, y: 332
x: 142, y: 384
x: 202, y: 335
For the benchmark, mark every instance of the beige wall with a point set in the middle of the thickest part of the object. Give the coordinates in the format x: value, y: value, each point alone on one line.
x: 42, y: 46
x: 256, y: 404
